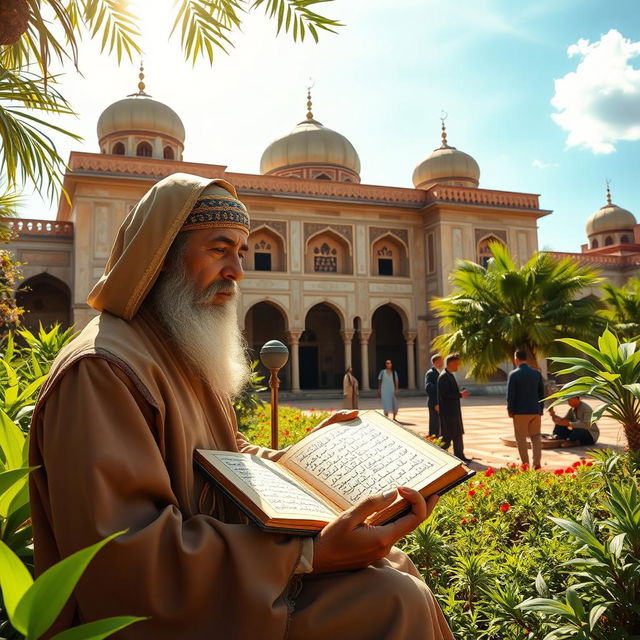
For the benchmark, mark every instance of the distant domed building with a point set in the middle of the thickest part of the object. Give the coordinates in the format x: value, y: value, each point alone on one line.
x: 446, y: 165
x: 312, y: 151
x: 610, y: 225
x: 341, y: 272
x: 613, y: 245
x: 140, y: 126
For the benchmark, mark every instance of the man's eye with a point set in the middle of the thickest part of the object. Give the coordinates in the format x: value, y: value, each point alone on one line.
x: 217, y: 249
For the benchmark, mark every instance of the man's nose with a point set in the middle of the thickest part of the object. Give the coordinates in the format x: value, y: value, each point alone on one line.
x: 233, y: 269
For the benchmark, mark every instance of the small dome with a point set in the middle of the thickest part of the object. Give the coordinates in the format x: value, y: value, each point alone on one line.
x: 309, y: 149
x: 140, y: 114
x: 610, y: 217
x: 447, y: 165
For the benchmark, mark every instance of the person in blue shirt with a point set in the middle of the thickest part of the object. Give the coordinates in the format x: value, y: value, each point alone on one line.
x: 525, y: 392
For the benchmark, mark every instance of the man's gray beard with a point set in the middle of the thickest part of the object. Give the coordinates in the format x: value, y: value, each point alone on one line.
x: 207, y: 335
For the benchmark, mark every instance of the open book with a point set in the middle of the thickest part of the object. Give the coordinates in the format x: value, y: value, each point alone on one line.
x: 331, y: 470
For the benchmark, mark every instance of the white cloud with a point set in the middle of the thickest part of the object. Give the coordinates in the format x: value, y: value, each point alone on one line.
x: 599, y: 102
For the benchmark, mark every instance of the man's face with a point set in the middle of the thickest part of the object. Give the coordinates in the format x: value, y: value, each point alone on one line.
x: 438, y: 363
x: 574, y: 402
x: 454, y: 365
x: 215, y: 255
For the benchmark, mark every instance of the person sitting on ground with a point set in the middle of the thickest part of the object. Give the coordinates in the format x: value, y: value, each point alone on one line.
x: 575, y: 428
x: 149, y: 380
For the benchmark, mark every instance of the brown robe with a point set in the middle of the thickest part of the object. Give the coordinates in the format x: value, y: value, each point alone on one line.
x: 113, y: 436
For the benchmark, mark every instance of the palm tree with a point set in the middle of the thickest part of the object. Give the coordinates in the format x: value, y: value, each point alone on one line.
x: 623, y: 308
x: 33, y: 32
x: 497, y: 309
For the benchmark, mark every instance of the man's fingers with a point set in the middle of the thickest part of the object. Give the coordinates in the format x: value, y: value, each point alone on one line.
x: 361, y: 511
x: 420, y: 510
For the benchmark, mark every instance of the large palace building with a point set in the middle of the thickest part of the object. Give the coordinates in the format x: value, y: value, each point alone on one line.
x: 340, y: 271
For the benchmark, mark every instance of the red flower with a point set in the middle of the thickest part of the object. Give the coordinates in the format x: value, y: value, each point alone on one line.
x: 486, y: 492
x: 588, y: 464
x: 489, y: 472
x: 524, y: 466
x: 471, y: 493
x: 480, y: 485
x: 286, y: 433
x: 559, y: 472
x: 504, y: 507
x: 569, y: 470
x: 577, y: 463
x: 308, y: 429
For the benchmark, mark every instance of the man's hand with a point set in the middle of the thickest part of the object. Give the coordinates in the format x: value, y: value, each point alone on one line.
x: 437, y: 408
x: 348, y: 543
x: 465, y: 393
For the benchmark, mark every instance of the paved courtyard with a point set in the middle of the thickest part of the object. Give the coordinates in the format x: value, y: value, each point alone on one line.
x: 485, y: 421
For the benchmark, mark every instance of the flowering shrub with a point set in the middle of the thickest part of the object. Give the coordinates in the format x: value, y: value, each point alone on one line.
x: 293, y: 424
x: 498, y: 541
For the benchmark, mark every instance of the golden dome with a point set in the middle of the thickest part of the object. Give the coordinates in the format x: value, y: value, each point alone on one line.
x: 140, y: 113
x: 447, y: 165
x: 312, y: 146
x: 610, y: 217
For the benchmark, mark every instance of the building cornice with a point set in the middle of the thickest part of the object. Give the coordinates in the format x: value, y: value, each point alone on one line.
x: 83, y: 164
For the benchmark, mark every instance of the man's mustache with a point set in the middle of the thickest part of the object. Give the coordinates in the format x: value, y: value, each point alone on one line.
x: 221, y: 286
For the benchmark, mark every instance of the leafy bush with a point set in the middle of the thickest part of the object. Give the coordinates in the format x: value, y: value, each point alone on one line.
x: 248, y: 402
x: 29, y: 608
x: 498, y: 543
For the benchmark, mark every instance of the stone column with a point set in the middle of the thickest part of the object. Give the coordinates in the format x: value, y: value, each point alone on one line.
x: 364, y: 357
x: 410, y: 337
x: 347, y: 337
x: 294, y: 342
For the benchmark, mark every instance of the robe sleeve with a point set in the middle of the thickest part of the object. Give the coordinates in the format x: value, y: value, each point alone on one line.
x: 101, y: 471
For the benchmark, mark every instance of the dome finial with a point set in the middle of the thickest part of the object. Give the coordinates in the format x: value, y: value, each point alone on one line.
x: 608, y: 192
x: 443, y: 117
x: 309, y: 102
x: 141, y: 85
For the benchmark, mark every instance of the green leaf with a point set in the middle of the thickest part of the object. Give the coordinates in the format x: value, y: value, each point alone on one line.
x: 546, y: 605
x: 574, y: 601
x: 541, y: 586
x: 579, y: 532
x: 42, y: 603
x: 608, y: 345
x: 634, y: 388
x: 10, y: 478
x: 15, y: 581
x: 596, y: 613
x: 616, y: 544
x: 98, y: 629
x: 11, y: 441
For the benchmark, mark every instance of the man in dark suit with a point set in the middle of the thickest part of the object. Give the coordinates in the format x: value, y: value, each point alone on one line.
x: 525, y: 392
x: 451, y: 428
x: 431, y: 389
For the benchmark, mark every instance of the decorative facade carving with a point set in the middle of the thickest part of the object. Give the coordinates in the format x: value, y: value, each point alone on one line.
x: 27, y: 226
x: 376, y: 232
x: 483, y: 233
x: 311, y: 228
x: 279, y: 226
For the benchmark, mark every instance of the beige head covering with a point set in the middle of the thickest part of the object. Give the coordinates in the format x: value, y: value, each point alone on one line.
x: 144, y: 239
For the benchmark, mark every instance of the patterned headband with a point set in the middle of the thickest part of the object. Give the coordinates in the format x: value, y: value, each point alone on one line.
x: 217, y: 211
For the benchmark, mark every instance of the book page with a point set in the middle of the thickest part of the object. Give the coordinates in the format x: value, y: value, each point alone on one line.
x: 268, y: 486
x: 357, y: 459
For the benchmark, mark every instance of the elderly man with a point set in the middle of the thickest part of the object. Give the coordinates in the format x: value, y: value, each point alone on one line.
x: 129, y: 400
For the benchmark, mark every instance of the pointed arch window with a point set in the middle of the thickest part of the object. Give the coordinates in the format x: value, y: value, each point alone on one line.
x: 144, y: 150
x: 118, y: 149
x: 168, y: 154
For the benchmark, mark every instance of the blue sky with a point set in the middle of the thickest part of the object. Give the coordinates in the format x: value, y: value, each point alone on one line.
x: 544, y: 94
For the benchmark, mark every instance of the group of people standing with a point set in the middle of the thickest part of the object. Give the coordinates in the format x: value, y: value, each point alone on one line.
x: 525, y: 405
x: 444, y: 395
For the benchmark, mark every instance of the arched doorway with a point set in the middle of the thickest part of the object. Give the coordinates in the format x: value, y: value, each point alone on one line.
x: 264, y: 321
x: 321, y: 349
x: 387, y: 343
x: 46, y: 300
